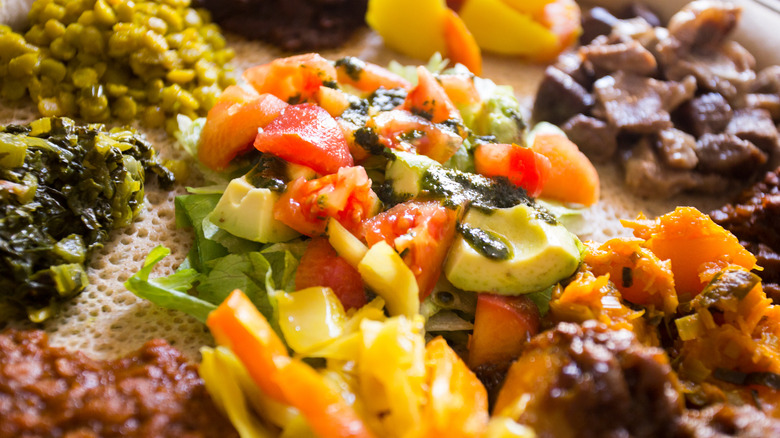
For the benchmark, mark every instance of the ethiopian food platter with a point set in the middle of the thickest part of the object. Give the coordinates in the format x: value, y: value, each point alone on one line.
x: 389, y: 218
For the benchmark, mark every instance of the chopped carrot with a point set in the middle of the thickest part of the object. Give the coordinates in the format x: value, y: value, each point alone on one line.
x: 461, y: 45
x: 326, y: 412
x: 238, y: 325
x: 572, y: 177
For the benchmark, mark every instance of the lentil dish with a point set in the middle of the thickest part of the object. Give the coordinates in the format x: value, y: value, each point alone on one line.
x: 47, y: 391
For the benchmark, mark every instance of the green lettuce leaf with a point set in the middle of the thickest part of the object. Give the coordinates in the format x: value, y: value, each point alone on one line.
x: 169, y: 292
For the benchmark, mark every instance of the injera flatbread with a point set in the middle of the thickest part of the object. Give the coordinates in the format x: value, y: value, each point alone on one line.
x: 106, y: 320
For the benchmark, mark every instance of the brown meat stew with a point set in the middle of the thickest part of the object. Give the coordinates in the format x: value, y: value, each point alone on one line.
x: 681, y: 107
x: 155, y: 392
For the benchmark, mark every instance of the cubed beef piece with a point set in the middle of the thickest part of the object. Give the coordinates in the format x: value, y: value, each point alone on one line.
x: 595, y: 22
x: 702, y: 26
x: 728, y: 71
x: 641, y: 10
x: 767, y: 80
x: 630, y: 57
x: 638, y: 104
x: 727, y: 420
x: 560, y: 97
x: 728, y: 155
x: 595, y: 138
x: 768, y: 102
x: 677, y: 148
x: 708, y: 113
x: 648, y: 177
x: 756, y: 126
x: 571, y: 64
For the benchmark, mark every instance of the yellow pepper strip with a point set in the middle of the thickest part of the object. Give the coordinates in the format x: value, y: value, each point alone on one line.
x: 236, y: 323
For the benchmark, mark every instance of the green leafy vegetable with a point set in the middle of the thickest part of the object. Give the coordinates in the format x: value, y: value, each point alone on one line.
x: 169, y: 292
x: 63, y: 188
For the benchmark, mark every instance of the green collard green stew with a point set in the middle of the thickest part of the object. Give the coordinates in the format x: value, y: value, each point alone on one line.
x: 63, y: 188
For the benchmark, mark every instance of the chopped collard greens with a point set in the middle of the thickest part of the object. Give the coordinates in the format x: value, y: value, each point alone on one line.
x: 63, y: 188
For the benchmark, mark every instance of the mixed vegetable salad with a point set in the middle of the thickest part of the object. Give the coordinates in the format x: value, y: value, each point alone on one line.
x: 378, y: 261
x: 363, y: 186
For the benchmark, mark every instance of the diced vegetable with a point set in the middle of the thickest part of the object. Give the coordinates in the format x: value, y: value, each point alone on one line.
x: 385, y: 273
x: 461, y: 46
x: 429, y: 99
x: 366, y: 76
x: 310, y: 317
x: 522, y: 166
x: 322, y: 266
x: 294, y: 79
x: 691, y: 241
x: 502, y: 326
x: 457, y: 401
x: 572, y: 176
x: 412, y: 27
x: 422, y: 232
x: 231, y: 125
x: 346, y: 196
x: 306, y: 134
x: 349, y: 247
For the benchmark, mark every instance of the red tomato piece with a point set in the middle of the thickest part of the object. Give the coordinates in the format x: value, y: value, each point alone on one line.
x: 294, y: 79
x: 502, y: 325
x: 306, y: 134
x: 322, y: 266
x: 522, y: 166
x: 422, y: 232
x: 429, y: 98
x: 368, y: 77
x: 346, y: 196
x: 404, y: 131
x: 232, y: 123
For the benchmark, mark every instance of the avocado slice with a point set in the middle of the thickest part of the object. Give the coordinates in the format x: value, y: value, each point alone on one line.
x: 248, y: 212
x: 511, y: 251
x: 405, y: 173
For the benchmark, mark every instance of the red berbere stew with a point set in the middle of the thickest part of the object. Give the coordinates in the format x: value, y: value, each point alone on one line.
x: 53, y: 392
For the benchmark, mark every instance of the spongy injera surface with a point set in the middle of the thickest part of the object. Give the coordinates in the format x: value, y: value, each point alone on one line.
x: 106, y: 320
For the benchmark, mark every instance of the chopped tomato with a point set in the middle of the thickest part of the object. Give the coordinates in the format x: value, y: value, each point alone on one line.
x: 524, y: 167
x: 345, y: 196
x: 294, y: 79
x: 368, y: 77
x: 404, y: 131
x: 461, y: 90
x: 306, y: 134
x: 572, y: 176
x: 232, y: 124
x: 429, y: 99
x: 322, y: 266
x: 502, y: 325
x: 421, y: 232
